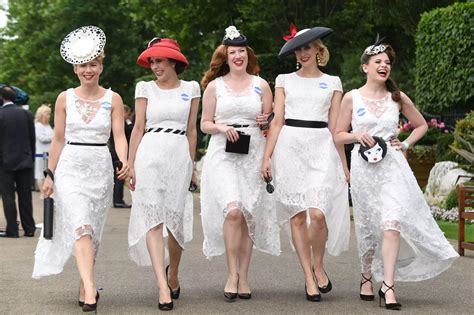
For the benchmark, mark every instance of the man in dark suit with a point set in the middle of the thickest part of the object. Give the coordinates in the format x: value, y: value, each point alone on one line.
x: 118, y: 183
x: 17, y: 154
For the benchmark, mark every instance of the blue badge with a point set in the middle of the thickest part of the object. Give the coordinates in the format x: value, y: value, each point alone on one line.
x: 323, y: 85
x: 257, y: 90
x: 185, y: 97
x: 106, y: 105
x: 360, y: 112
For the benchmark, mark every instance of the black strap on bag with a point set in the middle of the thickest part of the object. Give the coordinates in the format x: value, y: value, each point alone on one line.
x: 48, y: 215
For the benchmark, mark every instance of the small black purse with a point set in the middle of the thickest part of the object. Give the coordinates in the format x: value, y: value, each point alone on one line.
x: 241, y: 146
x: 48, y: 215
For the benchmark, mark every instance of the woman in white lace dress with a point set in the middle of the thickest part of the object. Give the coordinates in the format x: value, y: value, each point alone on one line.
x: 162, y: 148
x: 397, y: 236
x: 80, y: 169
x: 236, y: 210
x: 311, y: 189
x: 44, y: 136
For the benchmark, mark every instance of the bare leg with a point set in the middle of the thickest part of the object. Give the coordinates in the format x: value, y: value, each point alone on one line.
x: 84, y: 252
x: 156, y: 249
x: 175, y: 252
x: 318, y: 235
x: 244, y: 257
x: 232, y: 240
x: 299, y: 235
x: 390, y: 248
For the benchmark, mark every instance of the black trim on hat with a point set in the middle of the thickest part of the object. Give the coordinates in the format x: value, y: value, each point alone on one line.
x: 303, y: 39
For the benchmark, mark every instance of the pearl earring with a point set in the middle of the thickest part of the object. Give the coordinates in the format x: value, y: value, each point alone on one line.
x: 298, y: 65
x: 318, y: 59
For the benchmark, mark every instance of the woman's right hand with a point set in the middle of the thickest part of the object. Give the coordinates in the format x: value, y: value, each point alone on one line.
x: 132, y: 181
x: 230, y: 132
x: 266, y: 171
x: 48, y: 187
x: 364, y: 138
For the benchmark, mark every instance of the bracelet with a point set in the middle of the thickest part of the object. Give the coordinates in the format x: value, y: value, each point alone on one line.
x: 405, y: 145
x: 47, y: 172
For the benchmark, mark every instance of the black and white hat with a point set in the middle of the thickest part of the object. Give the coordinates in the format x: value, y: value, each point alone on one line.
x: 83, y: 45
x: 298, y: 39
x: 376, y: 48
x: 233, y: 37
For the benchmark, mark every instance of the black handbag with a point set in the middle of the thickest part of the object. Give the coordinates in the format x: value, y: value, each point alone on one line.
x: 48, y: 215
x: 241, y: 146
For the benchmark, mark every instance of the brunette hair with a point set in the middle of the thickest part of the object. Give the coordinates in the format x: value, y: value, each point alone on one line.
x: 219, y: 67
x: 390, y: 83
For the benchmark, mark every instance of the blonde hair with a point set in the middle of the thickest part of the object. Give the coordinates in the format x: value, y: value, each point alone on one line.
x: 324, y: 54
x: 99, y: 58
x: 43, y: 109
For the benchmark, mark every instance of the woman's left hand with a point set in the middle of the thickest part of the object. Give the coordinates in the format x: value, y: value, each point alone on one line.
x: 397, y: 144
x: 261, y: 119
x: 347, y: 174
x: 123, y: 172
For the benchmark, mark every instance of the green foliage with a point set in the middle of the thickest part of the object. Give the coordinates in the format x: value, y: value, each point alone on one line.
x: 450, y: 230
x: 463, y: 144
x: 444, y: 67
x: 451, y: 200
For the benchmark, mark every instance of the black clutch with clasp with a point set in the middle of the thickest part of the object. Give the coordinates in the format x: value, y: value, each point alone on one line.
x: 48, y: 215
x: 241, y: 146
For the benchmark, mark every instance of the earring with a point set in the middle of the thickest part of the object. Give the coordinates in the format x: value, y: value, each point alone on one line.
x: 298, y: 65
x: 318, y: 59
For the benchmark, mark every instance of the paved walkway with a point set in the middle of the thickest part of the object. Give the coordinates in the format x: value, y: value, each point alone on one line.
x: 276, y: 282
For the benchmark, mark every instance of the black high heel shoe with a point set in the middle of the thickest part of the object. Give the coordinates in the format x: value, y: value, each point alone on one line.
x: 174, y: 293
x: 389, y: 306
x: 327, y: 287
x: 366, y: 297
x: 232, y: 296
x: 165, y: 306
x: 91, y: 307
x: 312, y: 298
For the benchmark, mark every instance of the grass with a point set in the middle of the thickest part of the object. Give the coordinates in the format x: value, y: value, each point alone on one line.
x: 450, y: 230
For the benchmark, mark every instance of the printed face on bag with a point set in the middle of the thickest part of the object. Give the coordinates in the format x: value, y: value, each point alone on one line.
x: 237, y: 58
x: 378, y: 68
x: 374, y: 154
x: 161, y: 67
x: 89, y: 73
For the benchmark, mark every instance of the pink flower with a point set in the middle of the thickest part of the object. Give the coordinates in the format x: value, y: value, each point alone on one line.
x: 433, y: 122
x: 441, y: 125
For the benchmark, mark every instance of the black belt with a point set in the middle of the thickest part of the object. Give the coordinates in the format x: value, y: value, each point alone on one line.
x: 168, y: 130
x: 87, y: 144
x: 305, y: 123
x: 239, y: 126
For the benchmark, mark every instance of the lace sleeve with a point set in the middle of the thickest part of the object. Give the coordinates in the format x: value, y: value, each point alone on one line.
x: 140, y: 90
x: 195, y: 90
x: 280, y: 81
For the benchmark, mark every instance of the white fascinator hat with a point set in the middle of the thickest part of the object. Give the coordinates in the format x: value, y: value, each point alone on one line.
x: 83, y: 44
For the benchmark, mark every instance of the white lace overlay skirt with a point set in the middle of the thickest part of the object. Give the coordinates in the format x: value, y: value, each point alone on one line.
x: 308, y: 173
x: 386, y: 196
x: 232, y: 180
x: 163, y: 170
x: 82, y: 195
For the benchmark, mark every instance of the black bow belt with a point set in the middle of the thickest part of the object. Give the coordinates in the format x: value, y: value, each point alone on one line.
x: 168, y: 130
x: 305, y: 123
x: 87, y: 144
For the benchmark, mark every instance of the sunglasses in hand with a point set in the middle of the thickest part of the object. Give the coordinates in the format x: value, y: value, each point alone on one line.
x: 270, y: 188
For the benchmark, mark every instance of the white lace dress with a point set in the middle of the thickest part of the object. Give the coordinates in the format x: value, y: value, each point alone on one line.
x: 386, y: 196
x: 232, y: 180
x: 83, y: 183
x: 163, y: 169
x: 307, y: 170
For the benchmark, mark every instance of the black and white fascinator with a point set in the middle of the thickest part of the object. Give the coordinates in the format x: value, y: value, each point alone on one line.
x: 376, y: 48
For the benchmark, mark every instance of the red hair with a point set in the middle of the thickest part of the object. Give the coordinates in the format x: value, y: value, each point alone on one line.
x: 219, y: 67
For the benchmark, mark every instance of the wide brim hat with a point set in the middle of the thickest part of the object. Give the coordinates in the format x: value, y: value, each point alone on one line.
x: 162, y: 48
x: 83, y: 45
x: 302, y: 38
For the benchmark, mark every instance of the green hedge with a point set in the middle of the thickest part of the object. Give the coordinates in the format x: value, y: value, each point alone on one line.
x: 444, y: 67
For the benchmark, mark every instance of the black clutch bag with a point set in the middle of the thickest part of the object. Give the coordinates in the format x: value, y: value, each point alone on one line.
x: 241, y: 146
x: 48, y: 218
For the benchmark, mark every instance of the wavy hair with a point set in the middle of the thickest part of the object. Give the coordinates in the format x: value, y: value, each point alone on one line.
x: 219, y: 67
x: 43, y: 109
x: 390, y: 84
x: 324, y: 54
